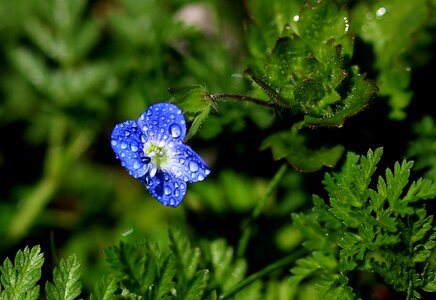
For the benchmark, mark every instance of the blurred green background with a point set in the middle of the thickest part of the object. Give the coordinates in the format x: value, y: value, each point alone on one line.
x: 71, y: 69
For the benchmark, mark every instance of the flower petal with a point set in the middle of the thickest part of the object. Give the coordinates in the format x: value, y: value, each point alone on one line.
x: 163, y: 120
x: 186, y: 164
x: 127, y: 142
x: 167, y: 189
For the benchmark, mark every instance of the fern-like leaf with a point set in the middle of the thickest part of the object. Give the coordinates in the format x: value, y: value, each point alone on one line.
x: 66, y: 280
x: 19, y: 279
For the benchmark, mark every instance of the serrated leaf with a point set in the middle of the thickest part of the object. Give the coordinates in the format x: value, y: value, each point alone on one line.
x: 142, y: 268
x: 105, y: 288
x: 196, y: 285
x: 305, y: 71
x: 187, y: 258
x: 66, y: 280
x: 19, y: 279
x: 225, y: 270
x: 196, y: 104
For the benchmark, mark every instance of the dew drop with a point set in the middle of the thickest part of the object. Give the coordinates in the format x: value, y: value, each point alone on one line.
x: 167, y: 190
x: 207, y: 172
x: 193, y: 166
x: 182, y: 161
x: 176, y: 193
x: 145, y: 159
x: 149, y: 112
x: 136, y: 165
x: 127, y: 133
x: 123, y: 145
x: 175, y: 130
x: 114, y: 142
x: 123, y: 155
x: 134, y: 147
x: 200, y: 177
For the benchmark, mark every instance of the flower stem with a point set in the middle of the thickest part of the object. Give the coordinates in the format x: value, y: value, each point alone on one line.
x: 280, y: 264
x: 243, y: 242
x: 226, y: 96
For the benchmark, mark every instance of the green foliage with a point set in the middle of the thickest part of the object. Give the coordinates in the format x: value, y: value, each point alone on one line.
x: 308, y: 68
x: 423, y: 147
x: 369, y: 226
x: 307, y: 80
x: 291, y: 146
x: 18, y: 280
x: 66, y: 280
x: 140, y: 270
x: 379, y: 24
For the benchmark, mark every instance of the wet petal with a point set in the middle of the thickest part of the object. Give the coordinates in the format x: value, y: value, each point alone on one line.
x: 127, y: 142
x: 162, y: 121
x: 185, y: 164
x: 166, y: 188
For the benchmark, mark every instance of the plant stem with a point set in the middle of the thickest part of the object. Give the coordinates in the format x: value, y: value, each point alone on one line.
x: 58, y: 159
x: 226, y: 96
x: 280, y: 264
x: 243, y: 242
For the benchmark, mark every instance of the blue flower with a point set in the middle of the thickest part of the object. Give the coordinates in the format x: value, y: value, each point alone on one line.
x: 152, y: 150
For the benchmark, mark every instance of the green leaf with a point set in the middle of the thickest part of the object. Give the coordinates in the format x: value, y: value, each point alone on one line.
x: 196, y: 104
x: 225, y: 270
x: 191, y: 280
x: 291, y: 146
x: 142, y: 268
x: 360, y: 229
x: 105, y: 288
x: 307, y: 266
x: 19, y: 279
x: 196, y: 285
x: 66, y: 280
x: 378, y: 23
x: 308, y: 72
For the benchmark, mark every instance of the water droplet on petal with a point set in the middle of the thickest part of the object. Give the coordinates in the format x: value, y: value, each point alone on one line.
x: 176, y: 193
x: 193, y: 166
x: 175, y: 130
x: 167, y: 190
x: 123, y: 145
x: 136, y: 165
x: 200, y: 177
x: 149, y: 112
x: 126, y: 133
x: 207, y: 172
x: 134, y: 147
x: 114, y: 143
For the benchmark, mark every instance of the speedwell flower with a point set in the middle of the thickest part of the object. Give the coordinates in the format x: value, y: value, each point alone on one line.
x: 152, y: 150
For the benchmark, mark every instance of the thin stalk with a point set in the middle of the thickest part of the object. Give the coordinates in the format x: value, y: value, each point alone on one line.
x: 58, y: 159
x: 236, y: 97
x: 278, y: 265
x: 243, y: 242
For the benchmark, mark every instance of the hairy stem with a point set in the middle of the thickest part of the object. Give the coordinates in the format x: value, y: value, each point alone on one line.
x: 226, y: 96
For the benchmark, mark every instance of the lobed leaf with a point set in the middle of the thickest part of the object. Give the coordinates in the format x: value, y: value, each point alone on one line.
x: 19, y: 279
x: 66, y: 280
